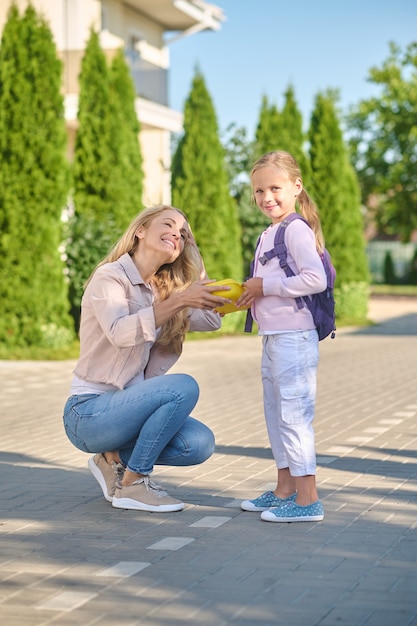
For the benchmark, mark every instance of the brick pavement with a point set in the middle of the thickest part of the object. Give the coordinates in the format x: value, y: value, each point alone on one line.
x: 67, y: 557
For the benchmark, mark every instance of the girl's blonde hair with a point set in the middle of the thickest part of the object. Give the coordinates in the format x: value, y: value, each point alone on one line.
x: 171, y: 277
x: 285, y: 162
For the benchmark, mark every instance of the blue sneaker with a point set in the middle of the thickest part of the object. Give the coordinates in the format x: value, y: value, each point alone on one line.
x: 293, y: 512
x: 265, y: 502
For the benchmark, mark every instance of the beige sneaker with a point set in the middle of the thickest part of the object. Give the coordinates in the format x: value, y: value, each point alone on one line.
x: 106, y: 474
x: 145, y: 495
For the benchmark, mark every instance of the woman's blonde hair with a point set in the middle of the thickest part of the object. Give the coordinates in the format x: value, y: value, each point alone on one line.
x: 285, y: 162
x: 170, y: 277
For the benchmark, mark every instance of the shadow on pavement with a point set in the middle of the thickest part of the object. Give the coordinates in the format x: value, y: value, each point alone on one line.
x: 405, y: 325
x: 259, y: 453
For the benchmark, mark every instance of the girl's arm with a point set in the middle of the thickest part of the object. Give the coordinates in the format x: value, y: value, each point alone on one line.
x: 304, y: 260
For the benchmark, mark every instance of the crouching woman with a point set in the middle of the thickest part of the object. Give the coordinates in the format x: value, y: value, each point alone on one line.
x: 136, y: 309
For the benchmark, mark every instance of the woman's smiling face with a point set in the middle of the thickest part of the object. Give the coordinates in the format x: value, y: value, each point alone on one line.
x: 165, y: 235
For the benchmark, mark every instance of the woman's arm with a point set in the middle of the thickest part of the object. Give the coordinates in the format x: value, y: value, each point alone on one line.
x: 197, y: 296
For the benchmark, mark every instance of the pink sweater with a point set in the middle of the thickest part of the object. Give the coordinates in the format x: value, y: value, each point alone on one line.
x: 277, y: 310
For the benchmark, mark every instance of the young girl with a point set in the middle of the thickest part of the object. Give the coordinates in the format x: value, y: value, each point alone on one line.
x: 290, y: 339
x: 136, y: 308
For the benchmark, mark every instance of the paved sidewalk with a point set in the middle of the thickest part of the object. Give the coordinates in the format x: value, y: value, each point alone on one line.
x: 67, y: 557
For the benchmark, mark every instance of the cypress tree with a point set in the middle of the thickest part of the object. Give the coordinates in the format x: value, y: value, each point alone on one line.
x: 94, y: 225
x: 389, y: 270
x: 291, y: 136
x: 92, y: 170
x: 253, y: 222
x: 200, y: 186
x: 33, y: 186
x: 267, y: 129
x: 127, y: 158
x: 335, y: 189
x: 239, y: 160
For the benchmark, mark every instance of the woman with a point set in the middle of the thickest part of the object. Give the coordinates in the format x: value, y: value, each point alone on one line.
x: 136, y: 309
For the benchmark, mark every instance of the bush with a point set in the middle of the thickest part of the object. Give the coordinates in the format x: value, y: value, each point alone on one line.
x: 352, y: 303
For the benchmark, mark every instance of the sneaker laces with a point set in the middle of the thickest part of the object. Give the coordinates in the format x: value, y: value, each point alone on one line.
x: 118, y: 469
x: 151, y: 486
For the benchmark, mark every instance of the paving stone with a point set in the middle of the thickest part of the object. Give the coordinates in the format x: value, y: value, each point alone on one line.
x: 59, y: 537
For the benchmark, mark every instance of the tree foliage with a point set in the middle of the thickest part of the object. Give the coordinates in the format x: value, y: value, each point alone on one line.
x: 93, y: 190
x: 33, y: 186
x: 92, y: 168
x: 124, y: 138
x: 200, y: 186
x: 267, y: 129
x: 384, y: 141
x: 275, y: 131
x: 291, y: 136
x: 239, y: 160
x: 107, y: 169
x: 336, y: 191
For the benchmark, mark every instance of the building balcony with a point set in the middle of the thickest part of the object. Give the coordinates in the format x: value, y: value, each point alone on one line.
x: 150, y: 81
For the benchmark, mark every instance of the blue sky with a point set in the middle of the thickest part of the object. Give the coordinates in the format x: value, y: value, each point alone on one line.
x: 265, y: 45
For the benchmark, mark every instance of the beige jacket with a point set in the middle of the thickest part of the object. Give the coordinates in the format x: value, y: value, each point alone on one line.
x: 117, y: 331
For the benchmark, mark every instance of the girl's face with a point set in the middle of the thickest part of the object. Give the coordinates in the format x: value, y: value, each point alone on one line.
x: 275, y: 194
x: 165, y: 236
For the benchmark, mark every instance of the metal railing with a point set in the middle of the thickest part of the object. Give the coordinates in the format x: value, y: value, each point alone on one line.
x: 151, y: 82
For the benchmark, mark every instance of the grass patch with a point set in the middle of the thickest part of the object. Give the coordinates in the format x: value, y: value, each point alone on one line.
x: 232, y: 324
x: 393, y: 290
x: 33, y: 353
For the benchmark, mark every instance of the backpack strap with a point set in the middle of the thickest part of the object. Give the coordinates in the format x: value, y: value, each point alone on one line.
x: 279, y: 250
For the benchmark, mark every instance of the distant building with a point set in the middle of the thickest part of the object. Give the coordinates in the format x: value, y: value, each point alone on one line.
x: 141, y: 27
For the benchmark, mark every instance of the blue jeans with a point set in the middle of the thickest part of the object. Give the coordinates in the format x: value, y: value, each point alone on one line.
x: 148, y: 423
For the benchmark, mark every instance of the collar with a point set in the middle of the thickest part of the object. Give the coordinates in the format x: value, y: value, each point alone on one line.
x: 131, y: 270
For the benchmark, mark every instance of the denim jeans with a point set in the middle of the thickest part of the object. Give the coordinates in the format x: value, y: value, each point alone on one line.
x: 148, y: 423
x: 289, y: 369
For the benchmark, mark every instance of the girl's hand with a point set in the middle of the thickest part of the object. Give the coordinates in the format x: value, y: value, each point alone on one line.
x: 253, y: 288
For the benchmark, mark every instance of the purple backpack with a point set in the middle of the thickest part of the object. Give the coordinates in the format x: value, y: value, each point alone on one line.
x: 321, y: 305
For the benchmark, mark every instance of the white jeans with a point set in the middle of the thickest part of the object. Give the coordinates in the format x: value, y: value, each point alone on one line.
x: 289, y: 368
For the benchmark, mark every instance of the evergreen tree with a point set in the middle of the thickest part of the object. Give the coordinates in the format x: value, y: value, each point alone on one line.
x: 200, y: 186
x: 412, y: 272
x: 291, y: 136
x: 253, y: 222
x: 335, y: 189
x: 33, y: 186
x: 92, y: 226
x: 127, y: 158
x: 267, y: 130
x: 389, y: 270
x: 93, y: 156
x: 239, y: 160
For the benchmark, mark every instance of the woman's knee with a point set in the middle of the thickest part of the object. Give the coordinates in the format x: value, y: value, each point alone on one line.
x: 185, y: 388
x: 204, y: 444
x: 193, y: 444
x: 189, y: 386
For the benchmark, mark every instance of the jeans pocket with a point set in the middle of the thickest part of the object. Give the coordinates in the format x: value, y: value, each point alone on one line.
x: 294, y: 401
x: 72, y: 421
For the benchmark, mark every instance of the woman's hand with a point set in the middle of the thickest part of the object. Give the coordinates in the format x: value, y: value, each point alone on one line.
x: 253, y: 288
x: 199, y: 295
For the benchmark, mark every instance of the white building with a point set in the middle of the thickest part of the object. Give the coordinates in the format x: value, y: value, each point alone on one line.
x: 145, y: 29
